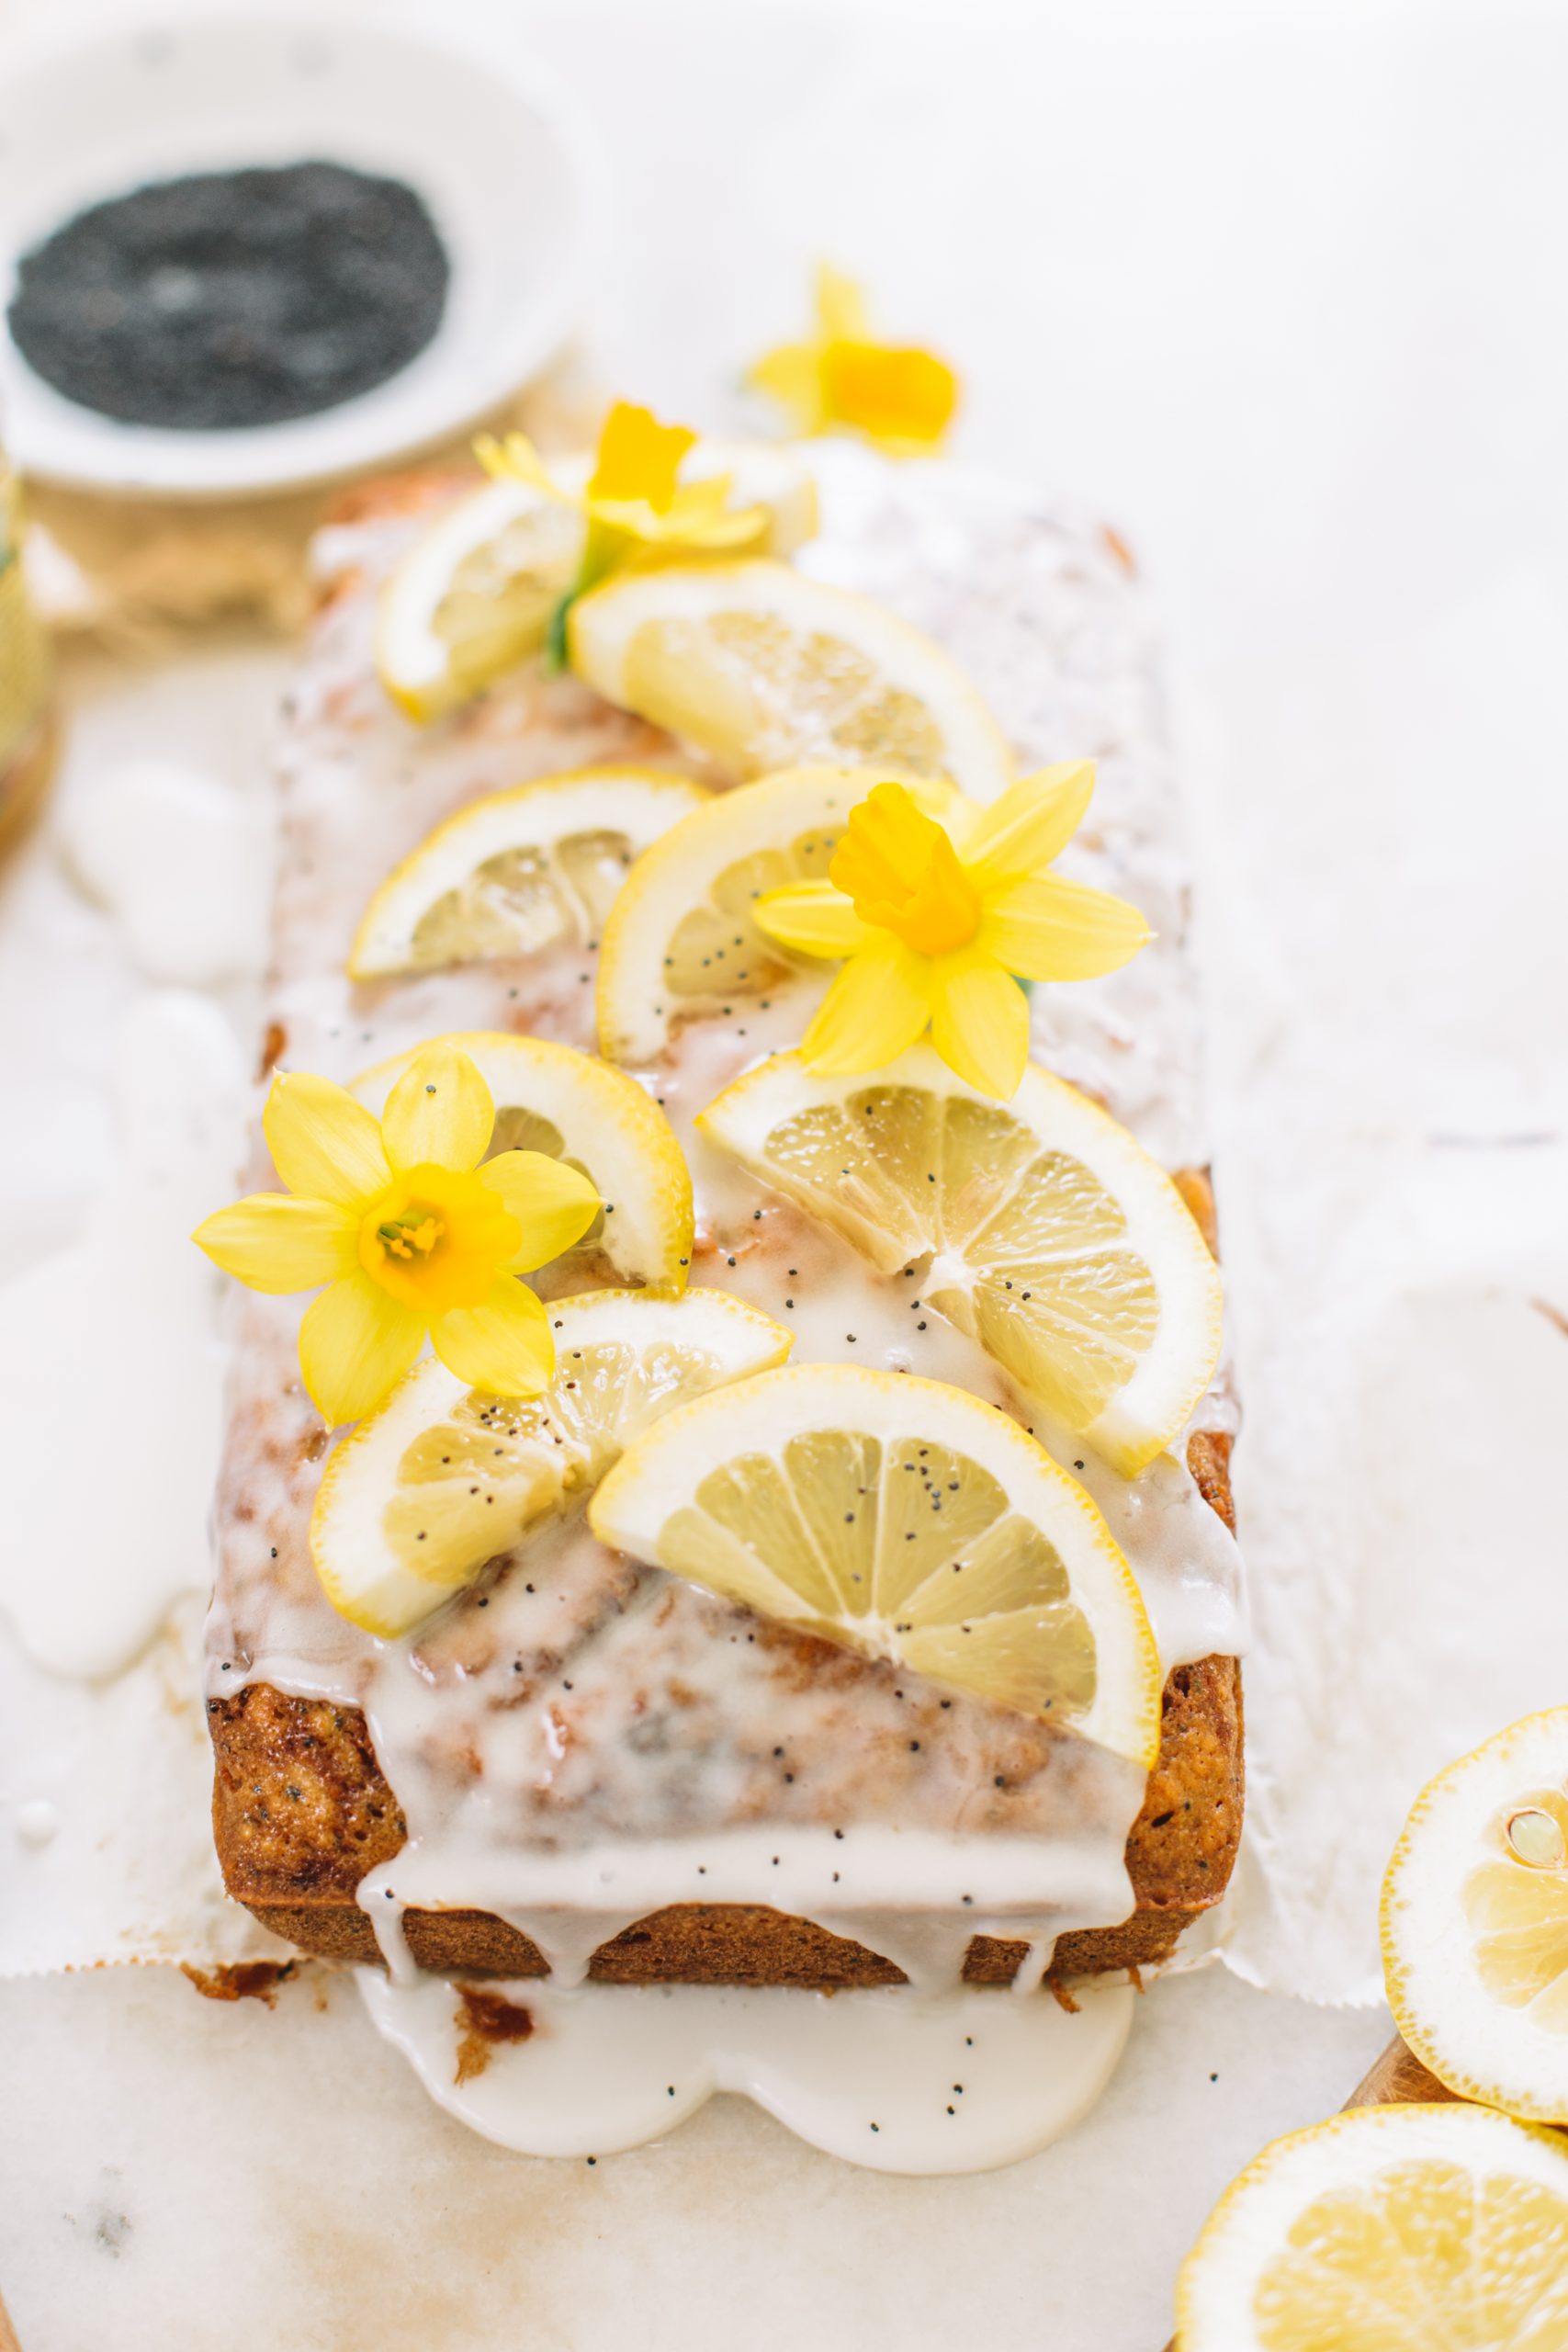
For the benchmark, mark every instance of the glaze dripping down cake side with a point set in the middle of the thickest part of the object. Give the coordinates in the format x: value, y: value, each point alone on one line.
x: 572, y: 1710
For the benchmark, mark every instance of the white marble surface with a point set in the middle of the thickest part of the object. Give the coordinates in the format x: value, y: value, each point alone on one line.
x: 1280, y: 289
x: 332, y: 2208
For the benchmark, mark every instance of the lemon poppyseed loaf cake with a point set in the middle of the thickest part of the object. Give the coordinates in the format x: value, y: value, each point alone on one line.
x: 582, y: 1761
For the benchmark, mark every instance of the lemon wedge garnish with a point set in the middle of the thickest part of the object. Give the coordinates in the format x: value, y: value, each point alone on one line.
x: 1475, y: 1922
x: 443, y: 1479
x: 907, y: 1521
x: 1042, y: 1229
x: 519, y: 871
x: 762, y: 668
x: 472, y: 597
x: 1390, y: 2229
x: 680, y: 939
x: 550, y: 1098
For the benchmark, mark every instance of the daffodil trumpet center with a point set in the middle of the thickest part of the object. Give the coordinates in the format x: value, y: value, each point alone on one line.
x: 904, y: 876
x: 436, y: 1239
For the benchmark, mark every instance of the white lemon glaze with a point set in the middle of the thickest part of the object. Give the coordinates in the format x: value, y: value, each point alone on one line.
x: 887, y: 2080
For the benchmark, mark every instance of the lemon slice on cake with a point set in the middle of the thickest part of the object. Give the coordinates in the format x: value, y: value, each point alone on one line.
x: 1390, y: 2229
x: 1044, y: 1229
x: 680, y: 938
x: 473, y: 596
x: 518, y: 871
x: 907, y: 1521
x: 550, y: 1098
x: 443, y: 1479
x: 1475, y: 1922
x: 762, y: 668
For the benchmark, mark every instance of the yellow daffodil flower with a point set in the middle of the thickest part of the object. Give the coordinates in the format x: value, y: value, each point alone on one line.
x: 900, y: 397
x: 935, y: 920
x: 636, y: 507
x: 413, y: 1236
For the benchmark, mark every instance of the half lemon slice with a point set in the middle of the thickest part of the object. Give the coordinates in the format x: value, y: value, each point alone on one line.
x: 1390, y: 2229
x: 762, y: 668
x: 550, y: 1098
x: 473, y: 594
x: 1475, y: 1922
x: 1044, y: 1230
x: 443, y: 1479
x: 905, y: 1520
x: 472, y: 597
x: 518, y: 871
x: 680, y: 939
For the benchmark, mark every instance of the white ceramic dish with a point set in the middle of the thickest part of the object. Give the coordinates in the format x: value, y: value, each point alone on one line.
x: 509, y: 169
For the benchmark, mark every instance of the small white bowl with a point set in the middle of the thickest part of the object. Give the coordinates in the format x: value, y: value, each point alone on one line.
x: 513, y: 177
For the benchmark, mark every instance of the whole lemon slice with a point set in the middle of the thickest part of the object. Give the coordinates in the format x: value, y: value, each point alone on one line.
x: 443, y: 1479
x: 762, y: 668
x: 906, y: 1519
x: 473, y: 594
x: 519, y: 871
x: 1390, y: 2229
x: 1475, y: 1922
x: 680, y: 939
x: 1042, y: 1227
x: 550, y: 1098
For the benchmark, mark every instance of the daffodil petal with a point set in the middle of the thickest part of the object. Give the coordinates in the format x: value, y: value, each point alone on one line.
x: 1032, y: 823
x: 514, y: 459
x: 900, y: 397
x: 504, y: 1347
x: 792, y: 375
x: 875, y: 1008
x: 274, y: 1242
x: 680, y: 526
x: 979, y: 1021
x: 1056, y: 930
x: 811, y: 918
x: 440, y: 1110
x: 683, y: 528
x: 841, y: 306
x: 354, y: 1343
x: 638, y: 457
x: 554, y: 1205
x: 324, y: 1145
x: 701, y: 511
